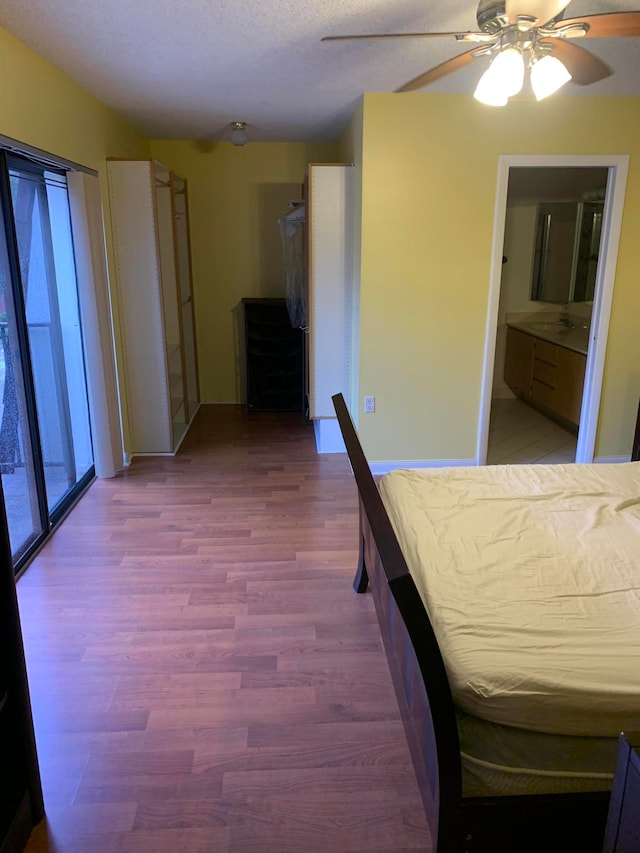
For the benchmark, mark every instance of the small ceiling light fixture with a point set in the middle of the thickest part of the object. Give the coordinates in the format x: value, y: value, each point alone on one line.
x: 239, y: 135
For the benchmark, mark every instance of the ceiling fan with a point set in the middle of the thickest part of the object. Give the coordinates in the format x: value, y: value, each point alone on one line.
x: 523, y: 35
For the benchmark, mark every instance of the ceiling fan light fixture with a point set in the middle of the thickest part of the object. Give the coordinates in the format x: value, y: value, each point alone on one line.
x: 239, y: 135
x: 548, y: 75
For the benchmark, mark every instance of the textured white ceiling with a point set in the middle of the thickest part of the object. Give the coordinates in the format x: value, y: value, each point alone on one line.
x: 184, y: 70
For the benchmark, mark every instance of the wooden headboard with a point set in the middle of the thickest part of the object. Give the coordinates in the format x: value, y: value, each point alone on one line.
x: 635, y: 450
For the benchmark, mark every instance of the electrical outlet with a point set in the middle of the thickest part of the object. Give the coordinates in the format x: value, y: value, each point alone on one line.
x: 369, y: 405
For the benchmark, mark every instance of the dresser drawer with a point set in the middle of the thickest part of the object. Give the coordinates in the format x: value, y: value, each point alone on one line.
x: 545, y: 373
x: 545, y: 351
x: 541, y: 393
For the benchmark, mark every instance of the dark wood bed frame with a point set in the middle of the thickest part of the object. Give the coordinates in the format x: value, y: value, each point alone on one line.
x: 561, y: 823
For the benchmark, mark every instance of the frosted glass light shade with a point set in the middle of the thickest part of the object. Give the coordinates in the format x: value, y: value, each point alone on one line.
x: 547, y: 76
x: 503, y: 78
x: 239, y: 135
x: 489, y: 91
x: 509, y: 67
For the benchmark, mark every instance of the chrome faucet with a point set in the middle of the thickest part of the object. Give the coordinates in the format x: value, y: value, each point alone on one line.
x: 565, y: 319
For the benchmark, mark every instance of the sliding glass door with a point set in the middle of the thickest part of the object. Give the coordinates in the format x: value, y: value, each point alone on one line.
x: 17, y: 465
x: 45, y: 439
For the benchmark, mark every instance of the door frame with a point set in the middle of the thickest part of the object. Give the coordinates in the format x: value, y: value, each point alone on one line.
x: 618, y: 166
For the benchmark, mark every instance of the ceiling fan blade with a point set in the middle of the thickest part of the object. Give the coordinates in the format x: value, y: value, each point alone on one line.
x: 542, y: 10
x: 439, y: 71
x: 459, y: 36
x: 607, y: 25
x: 584, y: 67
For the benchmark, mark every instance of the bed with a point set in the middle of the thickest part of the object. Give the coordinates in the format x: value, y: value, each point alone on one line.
x: 501, y: 628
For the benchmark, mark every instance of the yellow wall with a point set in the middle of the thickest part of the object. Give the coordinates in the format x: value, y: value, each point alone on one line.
x: 236, y: 195
x: 235, y: 198
x: 42, y: 107
x: 351, y: 152
x: 429, y: 165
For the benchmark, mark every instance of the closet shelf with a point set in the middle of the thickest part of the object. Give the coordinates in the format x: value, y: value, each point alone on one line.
x: 153, y: 273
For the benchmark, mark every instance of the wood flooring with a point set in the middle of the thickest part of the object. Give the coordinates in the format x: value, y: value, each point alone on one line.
x: 203, y: 677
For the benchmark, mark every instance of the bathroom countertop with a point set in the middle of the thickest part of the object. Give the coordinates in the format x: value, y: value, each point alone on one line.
x: 576, y: 338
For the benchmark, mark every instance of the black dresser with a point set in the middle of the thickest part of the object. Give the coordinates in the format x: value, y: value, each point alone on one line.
x: 274, y: 357
x: 623, y: 826
x: 21, y: 805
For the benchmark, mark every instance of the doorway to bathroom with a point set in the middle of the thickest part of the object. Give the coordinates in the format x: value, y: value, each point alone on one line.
x: 555, y: 244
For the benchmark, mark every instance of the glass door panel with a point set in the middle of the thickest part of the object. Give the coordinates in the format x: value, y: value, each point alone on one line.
x: 69, y: 353
x: 43, y: 234
x: 185, y: 295
x: 19, y: 483
x: 190, y: 356
x: 170, y: 303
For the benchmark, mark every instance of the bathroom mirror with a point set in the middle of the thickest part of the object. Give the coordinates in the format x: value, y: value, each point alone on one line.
x: 567, y: 243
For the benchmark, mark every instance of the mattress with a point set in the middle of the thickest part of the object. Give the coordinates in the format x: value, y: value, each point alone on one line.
x: 501, y: 760
x: 531, y: 577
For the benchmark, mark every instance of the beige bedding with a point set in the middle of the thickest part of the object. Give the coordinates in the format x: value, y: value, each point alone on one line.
x: 531, y: 576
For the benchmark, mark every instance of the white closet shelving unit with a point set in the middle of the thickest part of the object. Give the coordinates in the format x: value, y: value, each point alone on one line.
x: 149, y: 215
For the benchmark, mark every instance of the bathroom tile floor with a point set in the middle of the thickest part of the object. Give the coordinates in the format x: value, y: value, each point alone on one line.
x: 520, y: 434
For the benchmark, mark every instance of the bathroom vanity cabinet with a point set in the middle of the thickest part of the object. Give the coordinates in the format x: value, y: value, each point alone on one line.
x: 545, y: 374
x: 518, y: 363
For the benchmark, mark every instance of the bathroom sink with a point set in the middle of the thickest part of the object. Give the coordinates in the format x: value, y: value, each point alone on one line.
x: 575, y: 337
x: 545, y: 327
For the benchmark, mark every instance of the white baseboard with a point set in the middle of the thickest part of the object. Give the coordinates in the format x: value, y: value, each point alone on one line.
x: 128, y: 457
x: 384, y: 467
x: 379, y: 468
x: 328, y: 436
